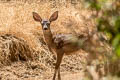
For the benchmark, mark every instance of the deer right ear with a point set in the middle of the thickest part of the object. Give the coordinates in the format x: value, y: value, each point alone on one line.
x: 36, y: 17
x: 54, y: 16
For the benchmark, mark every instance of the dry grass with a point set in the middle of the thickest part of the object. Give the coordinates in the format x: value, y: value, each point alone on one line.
x: 16, y: 19
x: 13, y: 49
x: 24, y: 35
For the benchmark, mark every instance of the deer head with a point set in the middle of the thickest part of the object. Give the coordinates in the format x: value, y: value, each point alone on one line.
x: 44, y: 22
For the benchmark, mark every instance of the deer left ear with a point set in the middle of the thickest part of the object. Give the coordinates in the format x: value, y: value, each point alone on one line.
x: 54, y: 16
x: 36, y: 17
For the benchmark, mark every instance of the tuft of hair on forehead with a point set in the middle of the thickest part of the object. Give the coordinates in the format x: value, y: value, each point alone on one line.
x: 45, y: 21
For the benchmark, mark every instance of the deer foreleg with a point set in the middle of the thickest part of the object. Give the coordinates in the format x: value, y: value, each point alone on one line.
x: 60, y: 54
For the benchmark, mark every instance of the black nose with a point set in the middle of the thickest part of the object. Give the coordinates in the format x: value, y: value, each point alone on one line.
x: 45, y: 28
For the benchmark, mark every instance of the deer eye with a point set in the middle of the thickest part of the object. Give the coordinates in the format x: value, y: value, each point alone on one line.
x: 42, y: 23
x: 48, y: 24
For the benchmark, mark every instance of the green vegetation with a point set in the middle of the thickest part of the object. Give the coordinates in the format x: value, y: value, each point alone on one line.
x: 108, y: 19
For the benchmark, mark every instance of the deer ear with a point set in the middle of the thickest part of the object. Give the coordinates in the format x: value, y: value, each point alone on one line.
x: 36, y: 17
x: 54, y: 16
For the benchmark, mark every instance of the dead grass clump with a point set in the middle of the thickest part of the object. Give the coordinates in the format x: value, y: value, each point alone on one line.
x: 13, y: 48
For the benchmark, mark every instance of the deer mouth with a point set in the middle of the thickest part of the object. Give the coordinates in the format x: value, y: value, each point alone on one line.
x: 45, y: 28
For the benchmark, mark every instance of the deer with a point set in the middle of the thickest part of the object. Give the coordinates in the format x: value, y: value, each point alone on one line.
x: 63, y: 44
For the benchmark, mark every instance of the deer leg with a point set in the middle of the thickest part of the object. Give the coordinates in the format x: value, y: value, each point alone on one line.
x: 54, y: 56
x: 59, y: 76
x: 60, y: 54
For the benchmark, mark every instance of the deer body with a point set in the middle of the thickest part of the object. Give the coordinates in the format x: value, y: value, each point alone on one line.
x: 61, y: 43
x: 68, y: 42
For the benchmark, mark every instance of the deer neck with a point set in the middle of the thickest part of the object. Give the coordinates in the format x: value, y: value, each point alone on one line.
x: 48, y: 37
